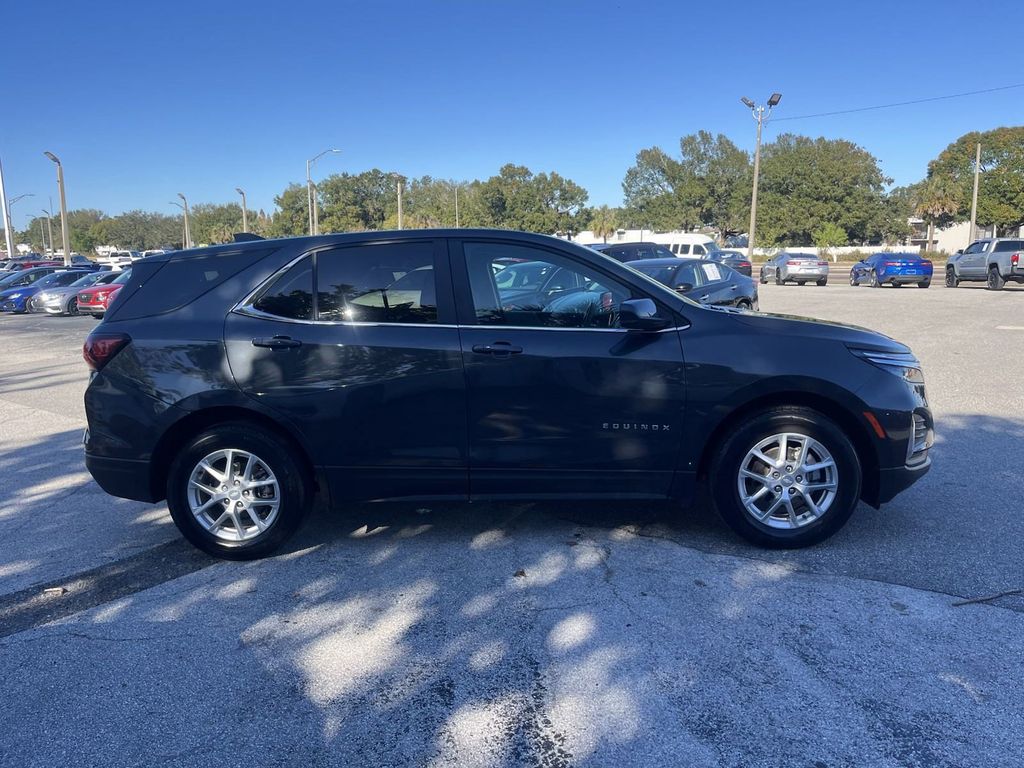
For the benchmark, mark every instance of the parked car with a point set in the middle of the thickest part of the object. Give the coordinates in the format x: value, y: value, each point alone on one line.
x: 120, y: 259
x: 23, y: 277
x: 703, y: 281
x: 237, y: 381
x: 18, y: 299
x: 96, y: 300
x: 995, y: 261
x: 795, y: 267
x: 627, y: 252
x: 64, y: 300
x: 733, y: 259
x: 895, y: 269
x: 736, y: 241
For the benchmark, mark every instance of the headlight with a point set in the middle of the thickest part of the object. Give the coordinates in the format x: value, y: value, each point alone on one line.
x: 14, y: 296
x: 902, y: 364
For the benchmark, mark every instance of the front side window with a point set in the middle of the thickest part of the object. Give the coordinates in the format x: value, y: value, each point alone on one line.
x: 566, y: 295
x: 976, y: 248
x: 379, y: 283
x: 699, y: 249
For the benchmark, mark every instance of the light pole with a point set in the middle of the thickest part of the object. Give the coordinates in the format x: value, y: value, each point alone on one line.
x: 49, y: 223
x: 188, y: 232
x: 974, y: 196
x: 314, y: 213
x: 245, y: 214
x: 398, y: 180
x: 16, y: 198
x: 761, y: 115
x: 456, y: 206
x: 8, y: 232
x: 183, y: 246
x: 65, y: 239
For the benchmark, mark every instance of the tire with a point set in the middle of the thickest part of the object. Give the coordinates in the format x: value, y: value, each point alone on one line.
x: 873, y: 282
x: 97, y: 316
x: 762, y: 279
x: 924, y: 283
x: 952, y: 281
x: 853, y: 280
x: 995, y: 281
x: 290, y: 487
x: 897, y: 284
x: 743, y: 305
x: 823, y: 281
x: 801, y: 282
x: 797, y: 423
x: 72, y: 308
x: 778, y: 278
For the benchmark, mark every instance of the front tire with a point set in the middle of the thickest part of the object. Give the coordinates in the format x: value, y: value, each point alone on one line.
x: 853, y: 280
x: 874, y: 282
x: 236, y: 491
x: 72, y: 308
x: 952, y: 281
x: 995, y: 280
x: 787, y: 477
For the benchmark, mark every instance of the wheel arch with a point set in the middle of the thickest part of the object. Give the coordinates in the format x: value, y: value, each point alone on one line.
x: 187, y: 427
x: 855, y: 429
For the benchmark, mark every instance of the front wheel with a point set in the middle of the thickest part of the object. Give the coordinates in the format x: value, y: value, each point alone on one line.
x: 853, y: 280
x: 236, y: 491
x: 874, y: 281
x: 995, y: 280
x: 73, y: 306
x: 951, y: 279
x: 788, y: 477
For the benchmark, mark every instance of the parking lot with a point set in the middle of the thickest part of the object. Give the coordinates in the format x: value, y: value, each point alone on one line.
x: 527, y: 634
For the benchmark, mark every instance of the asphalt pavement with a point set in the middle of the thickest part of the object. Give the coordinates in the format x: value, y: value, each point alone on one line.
x: 527, y: 634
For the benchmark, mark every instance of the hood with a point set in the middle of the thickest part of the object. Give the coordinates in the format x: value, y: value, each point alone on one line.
x: 805, y: 327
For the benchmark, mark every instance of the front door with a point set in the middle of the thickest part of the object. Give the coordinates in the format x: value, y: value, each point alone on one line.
x: 972, y: 263
x: 560, y: 400
x: 357, y: 347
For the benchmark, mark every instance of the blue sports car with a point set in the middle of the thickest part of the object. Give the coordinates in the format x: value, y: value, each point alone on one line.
x: 896, y: 269
x: 17, y: 299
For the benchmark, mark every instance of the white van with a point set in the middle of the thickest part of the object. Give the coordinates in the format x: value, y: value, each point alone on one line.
x: 691, y: 244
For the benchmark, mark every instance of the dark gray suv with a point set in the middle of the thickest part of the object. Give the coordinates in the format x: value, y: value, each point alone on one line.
x: 239, y: 381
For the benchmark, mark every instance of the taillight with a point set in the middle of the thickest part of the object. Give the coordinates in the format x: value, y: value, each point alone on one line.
x: 1015, y: 259
x: 891, y: 264
x: 822, y: 263
x: 100, y: 348
x: 925, y: 263
x: 744, y: 263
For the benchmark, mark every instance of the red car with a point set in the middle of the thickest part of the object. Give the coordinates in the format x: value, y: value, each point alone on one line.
x: 96, y: 299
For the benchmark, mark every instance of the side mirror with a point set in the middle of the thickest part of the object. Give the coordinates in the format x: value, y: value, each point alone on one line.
x: 684, y: 287
x: 959, y: 252
x: 640, y: 315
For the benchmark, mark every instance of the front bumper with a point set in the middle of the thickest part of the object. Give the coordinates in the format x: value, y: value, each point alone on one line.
x: 91, y: 309
x: 13, y: 305
x: 892, y: 482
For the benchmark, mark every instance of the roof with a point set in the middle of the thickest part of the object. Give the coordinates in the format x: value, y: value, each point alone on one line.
x: 662, y: 262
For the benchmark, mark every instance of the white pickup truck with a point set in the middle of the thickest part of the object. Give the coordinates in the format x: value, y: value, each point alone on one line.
x: 993, y: 261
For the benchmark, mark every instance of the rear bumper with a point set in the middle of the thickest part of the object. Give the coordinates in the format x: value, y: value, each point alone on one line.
x: 124, y: 478
x: 904, y: 278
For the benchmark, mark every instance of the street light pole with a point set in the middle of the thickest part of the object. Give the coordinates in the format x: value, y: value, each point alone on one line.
x: 65, y: 239
x: 314, y: 212
x: 245, y: 214
x: 761, y: 115
x: 398, y: 180
x: 456, y: 206
x: 49, y: 223
x: 188, y: 231
x: 974, y: 197
x: 8, y: 232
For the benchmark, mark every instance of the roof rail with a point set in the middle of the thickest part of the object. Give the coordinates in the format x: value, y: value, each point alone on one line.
x: 246, y: 237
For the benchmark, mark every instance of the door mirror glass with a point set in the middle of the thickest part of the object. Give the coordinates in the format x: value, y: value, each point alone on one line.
x: 640, y: 315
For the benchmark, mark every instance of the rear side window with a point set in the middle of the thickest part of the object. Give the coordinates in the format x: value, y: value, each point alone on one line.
x: 1010, y: 245
x: 291, y: 295
x: 183, y: 280
x: 684, y: 248
x: 378, y: 283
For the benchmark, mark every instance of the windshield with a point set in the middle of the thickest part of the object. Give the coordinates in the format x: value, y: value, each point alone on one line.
x: 89, y: 279
x: 123, y: 278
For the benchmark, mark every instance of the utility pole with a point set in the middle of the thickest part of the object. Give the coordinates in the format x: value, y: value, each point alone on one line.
x: 245, y: 214
x: 8, y: 232
x: 398, y: 179
x: 760, y: 115
x: 974, y: 197
x: 314, y: 212
x: 65, y: 239
x: 188, y: 232
x: 456, y: 206
x: 49, y: 222
x: 42, y: 235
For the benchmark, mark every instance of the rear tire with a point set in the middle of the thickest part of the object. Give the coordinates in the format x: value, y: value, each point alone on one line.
x: 779, y: 280
x: 798, y: 424
x: 823, y: 281
x: 952, y: 281
x: 924, y: 283
x: 995, y: 280
x: 291, y: 490
x: 897, y: 284
x: 762, y: 279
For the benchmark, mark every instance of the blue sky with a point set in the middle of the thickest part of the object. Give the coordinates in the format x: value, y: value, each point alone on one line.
x: 143, y: 100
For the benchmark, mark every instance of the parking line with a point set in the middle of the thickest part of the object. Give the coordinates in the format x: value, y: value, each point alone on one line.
x: 1010, y: 327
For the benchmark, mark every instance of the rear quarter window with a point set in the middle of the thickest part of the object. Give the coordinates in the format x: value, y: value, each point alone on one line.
x: 183, y: 280
x: 1010, y: 245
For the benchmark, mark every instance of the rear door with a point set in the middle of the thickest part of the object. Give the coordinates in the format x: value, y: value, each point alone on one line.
x: 367, y: 365
x: 561, y: 401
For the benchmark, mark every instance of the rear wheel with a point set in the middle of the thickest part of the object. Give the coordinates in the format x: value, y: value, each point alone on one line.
x: 778, y: 279
x: 951, y: 279
x: 823, y: 281
x: 924, y: 283
x: 236, y: 491
x: 788, y: 477
x: 763, y: 280
x: 897, y: 284
x: 995, y: 280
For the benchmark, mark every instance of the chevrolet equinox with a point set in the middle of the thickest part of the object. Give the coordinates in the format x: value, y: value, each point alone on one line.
x: 238, y: 381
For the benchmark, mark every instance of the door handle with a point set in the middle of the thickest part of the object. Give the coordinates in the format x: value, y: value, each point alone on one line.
x: 705, y: 297
x: 277, y: 342
x: 498, y: 349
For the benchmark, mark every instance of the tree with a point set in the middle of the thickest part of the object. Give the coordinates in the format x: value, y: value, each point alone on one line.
x: 292, y: 215
x: 936, y: 200
x: 604, y: 222
x: 806, y: 183
x: 516, y: 198
x: 215, y: 223
x: 1001, y: 187
x: 829, y: 235
x: 709, y: 184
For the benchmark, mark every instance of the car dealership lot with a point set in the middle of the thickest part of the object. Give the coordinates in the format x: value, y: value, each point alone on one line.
x: 534, y: 633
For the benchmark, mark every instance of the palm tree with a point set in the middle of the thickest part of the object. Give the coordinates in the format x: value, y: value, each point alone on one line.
x: 604, y: 222
x: 936, y: 200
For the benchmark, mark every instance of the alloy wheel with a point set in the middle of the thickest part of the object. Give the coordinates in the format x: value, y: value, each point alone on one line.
x: 234, y: 495
x: 788, y: 480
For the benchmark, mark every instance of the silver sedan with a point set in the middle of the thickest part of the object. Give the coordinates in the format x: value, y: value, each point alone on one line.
x: 796, y: 268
